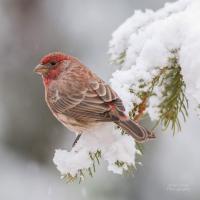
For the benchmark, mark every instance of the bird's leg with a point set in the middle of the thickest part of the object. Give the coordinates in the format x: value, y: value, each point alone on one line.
x: 76, y: 140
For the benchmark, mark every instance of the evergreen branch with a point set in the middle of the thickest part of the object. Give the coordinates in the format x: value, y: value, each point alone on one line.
x: 82, y: 173
x: 120, y: 59
x: 173, y: 99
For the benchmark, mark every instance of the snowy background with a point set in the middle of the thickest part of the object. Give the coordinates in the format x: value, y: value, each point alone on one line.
x: 29, y: 133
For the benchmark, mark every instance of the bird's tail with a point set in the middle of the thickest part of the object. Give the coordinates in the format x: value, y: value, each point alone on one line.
x: 139, y: 133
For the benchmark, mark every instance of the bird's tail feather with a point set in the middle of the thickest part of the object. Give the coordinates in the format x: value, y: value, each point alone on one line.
x: 139, y: 133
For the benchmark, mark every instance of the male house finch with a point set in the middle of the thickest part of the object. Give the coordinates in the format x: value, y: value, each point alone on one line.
x: 79, y: 99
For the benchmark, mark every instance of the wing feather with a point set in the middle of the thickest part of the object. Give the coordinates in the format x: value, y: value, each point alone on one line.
x: 86, y: 102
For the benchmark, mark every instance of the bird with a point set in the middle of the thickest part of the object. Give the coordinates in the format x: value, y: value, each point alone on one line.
x: 80, y: 99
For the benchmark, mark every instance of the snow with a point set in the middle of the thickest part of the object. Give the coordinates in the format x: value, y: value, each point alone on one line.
x: 105, y: 138
x: 141, y: 47
x: 71, y: 162
x: 147, y: 38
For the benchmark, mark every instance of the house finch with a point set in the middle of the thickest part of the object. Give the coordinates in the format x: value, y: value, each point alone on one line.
x: 79, y: 99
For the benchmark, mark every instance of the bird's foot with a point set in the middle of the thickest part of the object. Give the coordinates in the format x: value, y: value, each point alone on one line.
x: 76, y: 140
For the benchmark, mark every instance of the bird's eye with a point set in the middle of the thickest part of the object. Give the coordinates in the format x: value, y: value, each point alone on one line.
x: 53, y: 63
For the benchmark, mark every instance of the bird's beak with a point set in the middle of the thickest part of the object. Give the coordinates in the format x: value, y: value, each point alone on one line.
x: 41, y: 69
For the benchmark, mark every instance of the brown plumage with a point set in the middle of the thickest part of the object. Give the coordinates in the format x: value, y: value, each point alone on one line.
x: 79, y: 99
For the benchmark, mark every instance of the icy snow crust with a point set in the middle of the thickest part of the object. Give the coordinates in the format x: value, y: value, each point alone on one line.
x: 145, y: 41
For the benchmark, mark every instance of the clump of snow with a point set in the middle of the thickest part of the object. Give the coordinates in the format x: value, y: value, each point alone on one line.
x: 105, y: 138
x: 143, y: 45
x: 71, y: 162
x: 123, y: 150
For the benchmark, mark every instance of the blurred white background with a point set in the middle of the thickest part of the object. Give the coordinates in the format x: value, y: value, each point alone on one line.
x: 28, y: 131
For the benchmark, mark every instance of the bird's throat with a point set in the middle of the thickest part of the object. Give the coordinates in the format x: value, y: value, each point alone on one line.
x: 51, y: 75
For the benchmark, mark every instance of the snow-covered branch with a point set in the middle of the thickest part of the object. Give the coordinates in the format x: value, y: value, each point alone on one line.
x: 104, y: 142
x: 158, y: 57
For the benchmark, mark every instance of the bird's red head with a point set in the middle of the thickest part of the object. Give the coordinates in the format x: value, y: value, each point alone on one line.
x: 49, y: 66
x: 53, y: 58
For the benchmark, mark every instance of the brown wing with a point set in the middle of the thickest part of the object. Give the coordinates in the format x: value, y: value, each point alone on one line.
x: 91, y: 104
x: 81, y: 94
x: 96, y: 104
